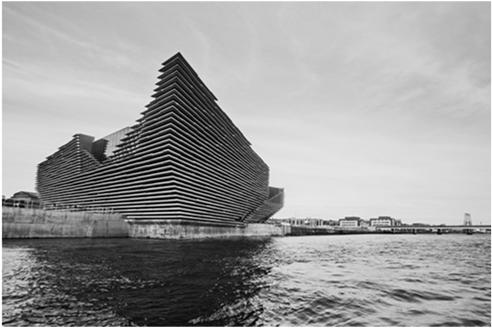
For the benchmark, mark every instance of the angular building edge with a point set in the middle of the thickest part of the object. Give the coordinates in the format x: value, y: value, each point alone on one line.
x: 183, y: 168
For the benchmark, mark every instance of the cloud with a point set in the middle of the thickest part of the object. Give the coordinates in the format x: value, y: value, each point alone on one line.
x: 362, y: 108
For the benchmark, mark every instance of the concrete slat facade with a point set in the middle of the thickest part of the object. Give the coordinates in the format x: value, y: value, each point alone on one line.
x: 184, y: 161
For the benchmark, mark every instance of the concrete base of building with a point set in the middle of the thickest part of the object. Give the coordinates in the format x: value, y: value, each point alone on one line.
x: 189, y: 231
x: 38, y: 223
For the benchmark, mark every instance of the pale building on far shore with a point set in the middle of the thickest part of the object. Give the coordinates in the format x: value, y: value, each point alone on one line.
x: 384, y: 221
x: 349, y: 222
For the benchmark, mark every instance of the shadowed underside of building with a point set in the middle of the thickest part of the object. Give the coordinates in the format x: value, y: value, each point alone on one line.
x: 183, y: 163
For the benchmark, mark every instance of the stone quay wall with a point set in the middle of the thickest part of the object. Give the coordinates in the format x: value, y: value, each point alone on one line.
x: 39, y: 223
x: 181, y: 231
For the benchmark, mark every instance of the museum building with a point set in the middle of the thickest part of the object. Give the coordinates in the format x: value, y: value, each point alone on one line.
x: 183, y: 162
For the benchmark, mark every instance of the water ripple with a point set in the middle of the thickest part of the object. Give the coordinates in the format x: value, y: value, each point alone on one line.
x: 385, y: 280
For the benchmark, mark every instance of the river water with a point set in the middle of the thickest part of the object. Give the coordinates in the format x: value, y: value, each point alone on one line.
x: 347, y: 280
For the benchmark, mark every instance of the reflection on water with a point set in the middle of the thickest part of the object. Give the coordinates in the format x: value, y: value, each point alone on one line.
x: 368, y: 280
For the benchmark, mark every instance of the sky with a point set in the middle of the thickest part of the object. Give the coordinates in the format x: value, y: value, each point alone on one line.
x: 359, y: 109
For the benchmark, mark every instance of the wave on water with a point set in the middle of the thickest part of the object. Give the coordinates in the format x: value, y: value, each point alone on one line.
x: 353, y: 280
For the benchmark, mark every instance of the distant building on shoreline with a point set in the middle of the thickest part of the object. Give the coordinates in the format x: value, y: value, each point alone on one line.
x: 329, y: 222
x: 349, y: 221
x: 384, y: 221
x: 25, y: 199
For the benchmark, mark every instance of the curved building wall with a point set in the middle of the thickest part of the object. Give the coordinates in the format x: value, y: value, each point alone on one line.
x: 183, y: 161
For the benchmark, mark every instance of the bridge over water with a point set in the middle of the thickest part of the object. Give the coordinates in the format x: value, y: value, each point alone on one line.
x: 299, y: 230
x: 436, y: 228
